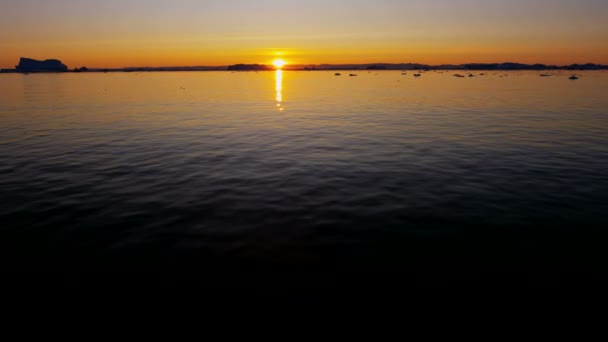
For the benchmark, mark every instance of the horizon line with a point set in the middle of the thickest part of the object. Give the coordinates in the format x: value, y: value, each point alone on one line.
x: 354, y: 64
x: 329, y: 66
x: 288, y: 65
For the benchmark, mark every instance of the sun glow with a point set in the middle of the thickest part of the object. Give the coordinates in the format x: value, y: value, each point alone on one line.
x: 279, y: 63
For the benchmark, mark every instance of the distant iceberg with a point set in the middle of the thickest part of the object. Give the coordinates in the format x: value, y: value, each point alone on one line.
x: 32, y: 65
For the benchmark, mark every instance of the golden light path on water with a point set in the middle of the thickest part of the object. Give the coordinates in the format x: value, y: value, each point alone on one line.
x: 279, y: 89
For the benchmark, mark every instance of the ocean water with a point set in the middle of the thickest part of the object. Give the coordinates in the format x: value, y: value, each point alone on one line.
x: 307, y: 168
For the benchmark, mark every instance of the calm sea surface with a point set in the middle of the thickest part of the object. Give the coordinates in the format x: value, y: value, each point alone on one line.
x: 304, y: 166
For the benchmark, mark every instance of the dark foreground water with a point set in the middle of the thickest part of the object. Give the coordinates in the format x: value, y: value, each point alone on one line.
x: 306, y: 169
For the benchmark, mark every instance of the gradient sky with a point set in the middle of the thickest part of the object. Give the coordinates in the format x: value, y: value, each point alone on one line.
x: 118, y: 33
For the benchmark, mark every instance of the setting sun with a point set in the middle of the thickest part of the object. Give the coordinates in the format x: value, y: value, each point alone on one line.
x: 278, y: 63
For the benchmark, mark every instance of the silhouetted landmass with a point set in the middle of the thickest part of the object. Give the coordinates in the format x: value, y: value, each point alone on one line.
x: 471, y: 66
x: 505, y: 66
x: 588, y: 66
x: 374, y: 66
x: 249, y: 67
x: 32, y: 65
x: 170, y: 68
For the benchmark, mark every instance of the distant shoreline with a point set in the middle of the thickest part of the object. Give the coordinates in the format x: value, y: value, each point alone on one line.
x: 508, y: 66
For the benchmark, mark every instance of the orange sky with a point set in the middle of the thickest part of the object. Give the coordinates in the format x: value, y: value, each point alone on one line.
x: 123, y: 33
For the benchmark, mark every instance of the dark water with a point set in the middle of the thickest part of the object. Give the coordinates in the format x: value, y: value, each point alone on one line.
x: 305, y: 168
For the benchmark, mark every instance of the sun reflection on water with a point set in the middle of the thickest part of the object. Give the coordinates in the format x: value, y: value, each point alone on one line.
x: 279, y: 89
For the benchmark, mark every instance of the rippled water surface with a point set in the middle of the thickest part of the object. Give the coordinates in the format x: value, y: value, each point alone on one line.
x: 302, y: 164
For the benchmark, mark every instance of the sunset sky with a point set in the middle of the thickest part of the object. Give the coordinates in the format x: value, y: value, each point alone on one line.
x: 119, y: 33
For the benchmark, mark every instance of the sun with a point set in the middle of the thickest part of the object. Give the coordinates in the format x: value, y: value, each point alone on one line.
x: 278, y: 63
